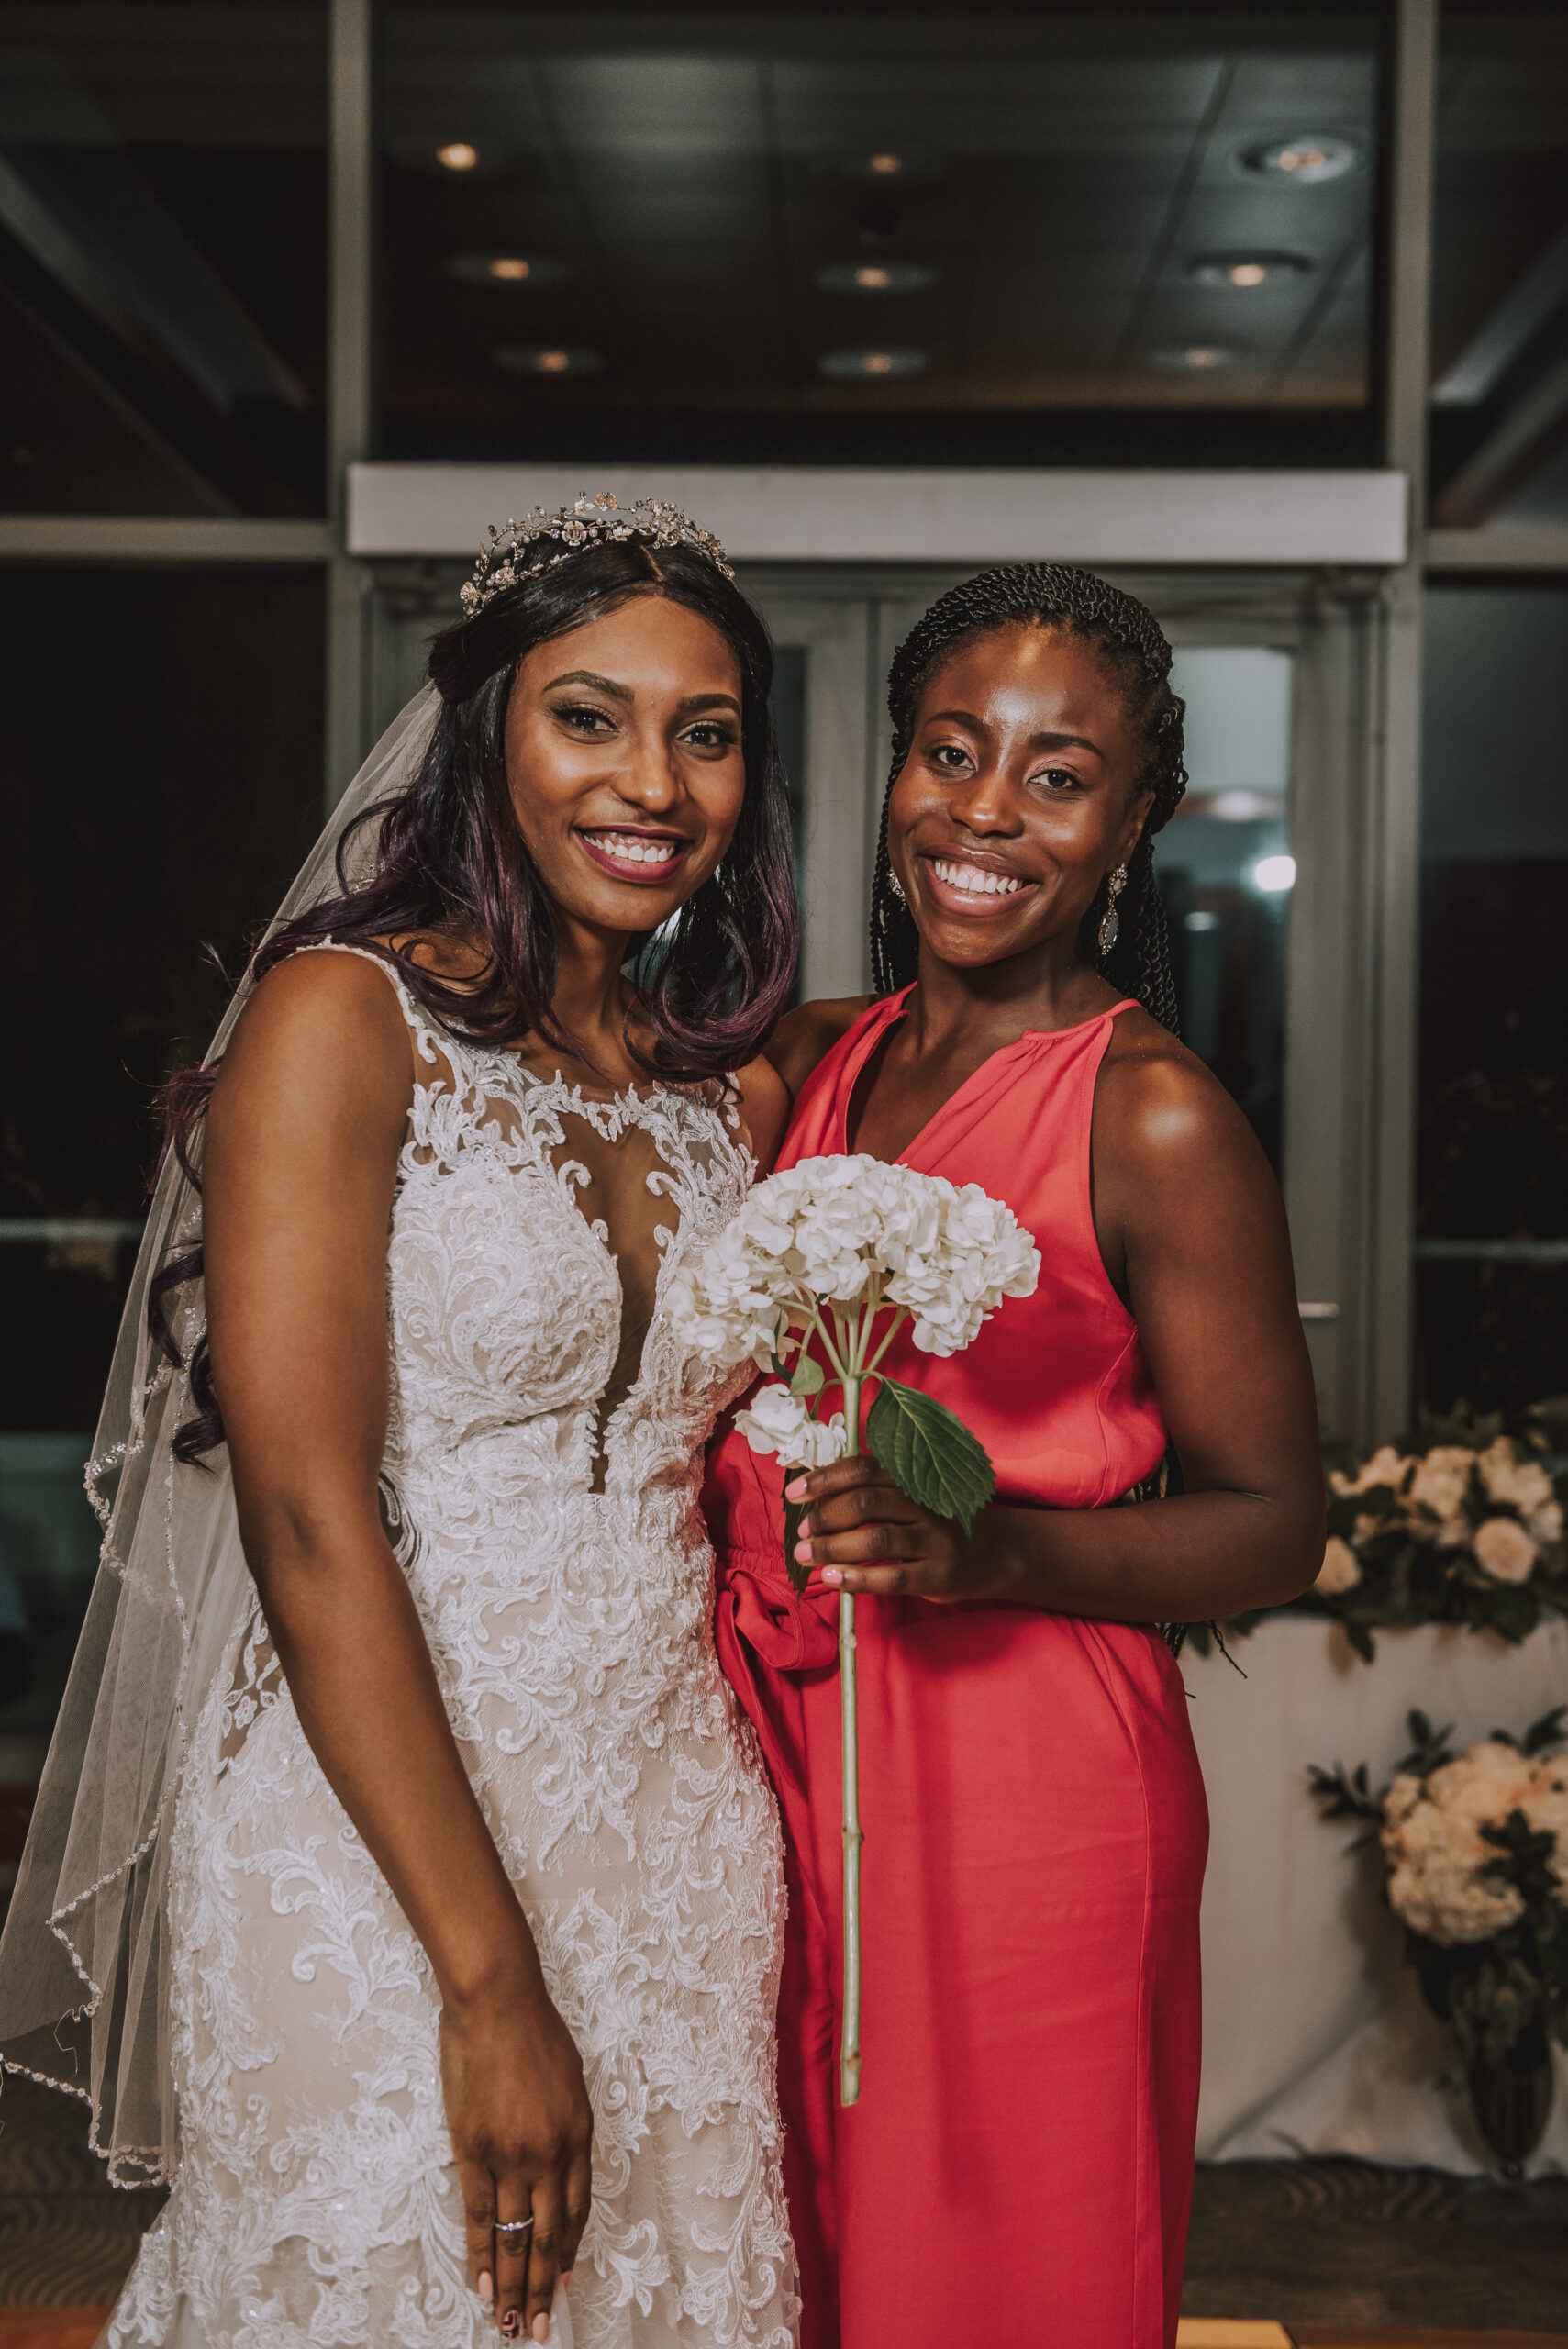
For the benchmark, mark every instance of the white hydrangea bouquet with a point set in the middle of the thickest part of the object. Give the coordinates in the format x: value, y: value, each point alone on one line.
x: 1475, y: 1847
x: 813, y: 1280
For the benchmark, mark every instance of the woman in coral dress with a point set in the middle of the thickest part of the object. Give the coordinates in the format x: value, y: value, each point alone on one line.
x: 1018, y: 2169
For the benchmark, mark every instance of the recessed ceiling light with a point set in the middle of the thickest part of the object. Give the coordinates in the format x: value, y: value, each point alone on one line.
x: 547, y: 359
x: 1303, y: 161
x: 908, y: 163
x: 456, y: 156
x: 1247, y: 269
x: 851, y: 366
x: 1274, y: 875
x: 1201, y: 921
x: 884, y: 164
x: 507, y: 269
x: 1202, y: 358
x: 875, y: 277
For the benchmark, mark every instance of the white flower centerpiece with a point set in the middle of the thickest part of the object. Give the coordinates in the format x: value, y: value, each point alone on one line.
x: 1462, y: 1523
x: 813, y: 1280
x: 1475, y: 1852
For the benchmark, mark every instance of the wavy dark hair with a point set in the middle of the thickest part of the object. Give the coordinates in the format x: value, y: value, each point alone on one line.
x: 1132, y: 645
x: 449, y: 858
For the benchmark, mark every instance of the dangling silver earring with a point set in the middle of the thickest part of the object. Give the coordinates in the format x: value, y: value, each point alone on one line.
x: 1110, y: 920
x: 896, y: 886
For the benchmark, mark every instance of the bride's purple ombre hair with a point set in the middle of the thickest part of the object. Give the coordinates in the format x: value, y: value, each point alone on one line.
x: 450, y: 857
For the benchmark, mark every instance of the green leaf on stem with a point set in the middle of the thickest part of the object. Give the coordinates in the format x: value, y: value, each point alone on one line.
x: 930, y: 1453
x: 808, y: 1376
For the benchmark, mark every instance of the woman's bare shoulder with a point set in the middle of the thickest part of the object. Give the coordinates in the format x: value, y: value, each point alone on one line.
x: 324, y: 1022
x: 1163, y: 1115
x: 808, y: 1033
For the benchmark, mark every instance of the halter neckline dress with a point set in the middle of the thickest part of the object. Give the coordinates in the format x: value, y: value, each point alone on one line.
x: 1018, y: 2169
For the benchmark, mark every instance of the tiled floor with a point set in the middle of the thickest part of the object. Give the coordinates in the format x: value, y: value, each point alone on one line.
x: 1344, y: 2252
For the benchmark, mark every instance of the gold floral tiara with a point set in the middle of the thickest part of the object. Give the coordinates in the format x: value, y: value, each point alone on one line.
x: 586, y: 522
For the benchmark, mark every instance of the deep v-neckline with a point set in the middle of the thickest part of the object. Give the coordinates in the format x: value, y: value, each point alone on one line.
x: 878, y: 1036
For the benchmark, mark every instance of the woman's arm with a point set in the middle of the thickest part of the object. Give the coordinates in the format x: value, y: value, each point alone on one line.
x: 1193, y: 1229
x: 306, y: 1120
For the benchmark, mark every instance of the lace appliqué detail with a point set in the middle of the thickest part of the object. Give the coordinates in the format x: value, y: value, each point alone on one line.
x: 561, y: 1569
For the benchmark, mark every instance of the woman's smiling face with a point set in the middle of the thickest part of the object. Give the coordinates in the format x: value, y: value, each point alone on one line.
x: 1020, y: 792
x: 624, y: 758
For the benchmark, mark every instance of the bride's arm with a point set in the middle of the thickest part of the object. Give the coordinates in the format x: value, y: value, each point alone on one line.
x: 304, y: 1131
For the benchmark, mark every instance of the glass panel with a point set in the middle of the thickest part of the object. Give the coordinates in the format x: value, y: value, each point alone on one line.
x: 161, y: 771
x: 162, y: 256
x: 1226, y: 872
x: 1492, y: 1217
x: 1500, y: 267
x: 1136, y: 236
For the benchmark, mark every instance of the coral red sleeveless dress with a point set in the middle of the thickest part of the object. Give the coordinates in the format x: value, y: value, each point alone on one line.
x: 1018, y: 2170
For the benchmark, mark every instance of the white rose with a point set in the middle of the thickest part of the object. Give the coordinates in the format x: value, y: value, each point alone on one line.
x: 1504, y: 1551
x: 1442, y: 1482
x: 1546, y: 1808
x: 1484, y: 1784
x: 1386, y: 1466
x: 778, y: 1421
x: 1341, y: 1570
x: 1546, y: 1523
x: 1523, y: 1484
x: 1435, y: 1854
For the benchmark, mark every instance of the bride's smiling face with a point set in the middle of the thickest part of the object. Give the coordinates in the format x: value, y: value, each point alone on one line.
x: 1020, y: 792
x: 624, y: 762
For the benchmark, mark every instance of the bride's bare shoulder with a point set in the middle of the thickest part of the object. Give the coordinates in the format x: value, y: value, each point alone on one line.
x: 322, y: 1020
x: 808, y: 1034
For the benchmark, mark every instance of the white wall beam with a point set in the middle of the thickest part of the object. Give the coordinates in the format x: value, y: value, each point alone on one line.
x: 832, y: 514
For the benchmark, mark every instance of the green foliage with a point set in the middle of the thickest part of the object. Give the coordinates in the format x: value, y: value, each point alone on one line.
x: 930, y: 1453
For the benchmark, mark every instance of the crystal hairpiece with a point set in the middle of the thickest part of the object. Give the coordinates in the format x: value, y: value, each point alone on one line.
x: 586, y: 522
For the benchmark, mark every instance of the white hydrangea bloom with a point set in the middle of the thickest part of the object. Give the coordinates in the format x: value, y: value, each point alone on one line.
x: 1341, y: 1570
x: 1434, y: 1847
x: 778, y: 1421
x: 840, y: 1229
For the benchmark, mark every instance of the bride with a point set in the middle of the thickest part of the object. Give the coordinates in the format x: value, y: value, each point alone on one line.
x: 404, y: 1884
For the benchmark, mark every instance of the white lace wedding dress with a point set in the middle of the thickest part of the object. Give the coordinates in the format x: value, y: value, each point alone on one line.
x: 563, y: 1579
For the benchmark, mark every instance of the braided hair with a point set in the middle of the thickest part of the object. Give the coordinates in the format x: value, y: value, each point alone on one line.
x: 1131, y: 643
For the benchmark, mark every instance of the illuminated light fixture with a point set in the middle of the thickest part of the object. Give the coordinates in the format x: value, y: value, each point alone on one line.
x: 860, y: 366
x: 1248, y: 269
x: 456, y: 156
x: 884, y: 164
x: 547, y: 359
x: 1201, y: 921
x: 875, y: 277
x: 1274, y: 875
x: 1246, y: 807
x: 1302, y: 162
x: 507, y: 269
x: 1200, y: 358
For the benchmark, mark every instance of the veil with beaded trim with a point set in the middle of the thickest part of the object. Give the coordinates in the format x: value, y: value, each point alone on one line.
x: 83, y: 1994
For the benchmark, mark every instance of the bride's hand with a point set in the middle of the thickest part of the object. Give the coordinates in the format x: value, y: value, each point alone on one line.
x: 862, y: 1534
x: 522, y: 2133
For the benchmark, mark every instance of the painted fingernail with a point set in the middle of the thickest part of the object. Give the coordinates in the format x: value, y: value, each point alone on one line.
x: 510, y: 2323
x: 486, y: 2288
x: 796, y: 1492
x: 565, y: 2277
x: 803, y: 1552
x: 541, y: 2328
x: 831, y: 1575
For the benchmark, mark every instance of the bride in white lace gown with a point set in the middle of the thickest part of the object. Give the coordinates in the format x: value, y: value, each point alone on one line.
x: 471, y: 1855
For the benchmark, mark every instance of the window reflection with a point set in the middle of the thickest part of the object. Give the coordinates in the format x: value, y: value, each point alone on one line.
x: 1226, y: 872
x: 162, y: 257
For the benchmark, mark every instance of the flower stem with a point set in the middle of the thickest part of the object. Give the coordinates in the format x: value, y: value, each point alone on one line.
x: 849, y: 2044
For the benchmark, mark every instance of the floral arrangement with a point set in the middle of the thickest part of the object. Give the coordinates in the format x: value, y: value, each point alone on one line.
x: 1475, y: 1852
x: 1462, y: 1524
x: 814, y: 1278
